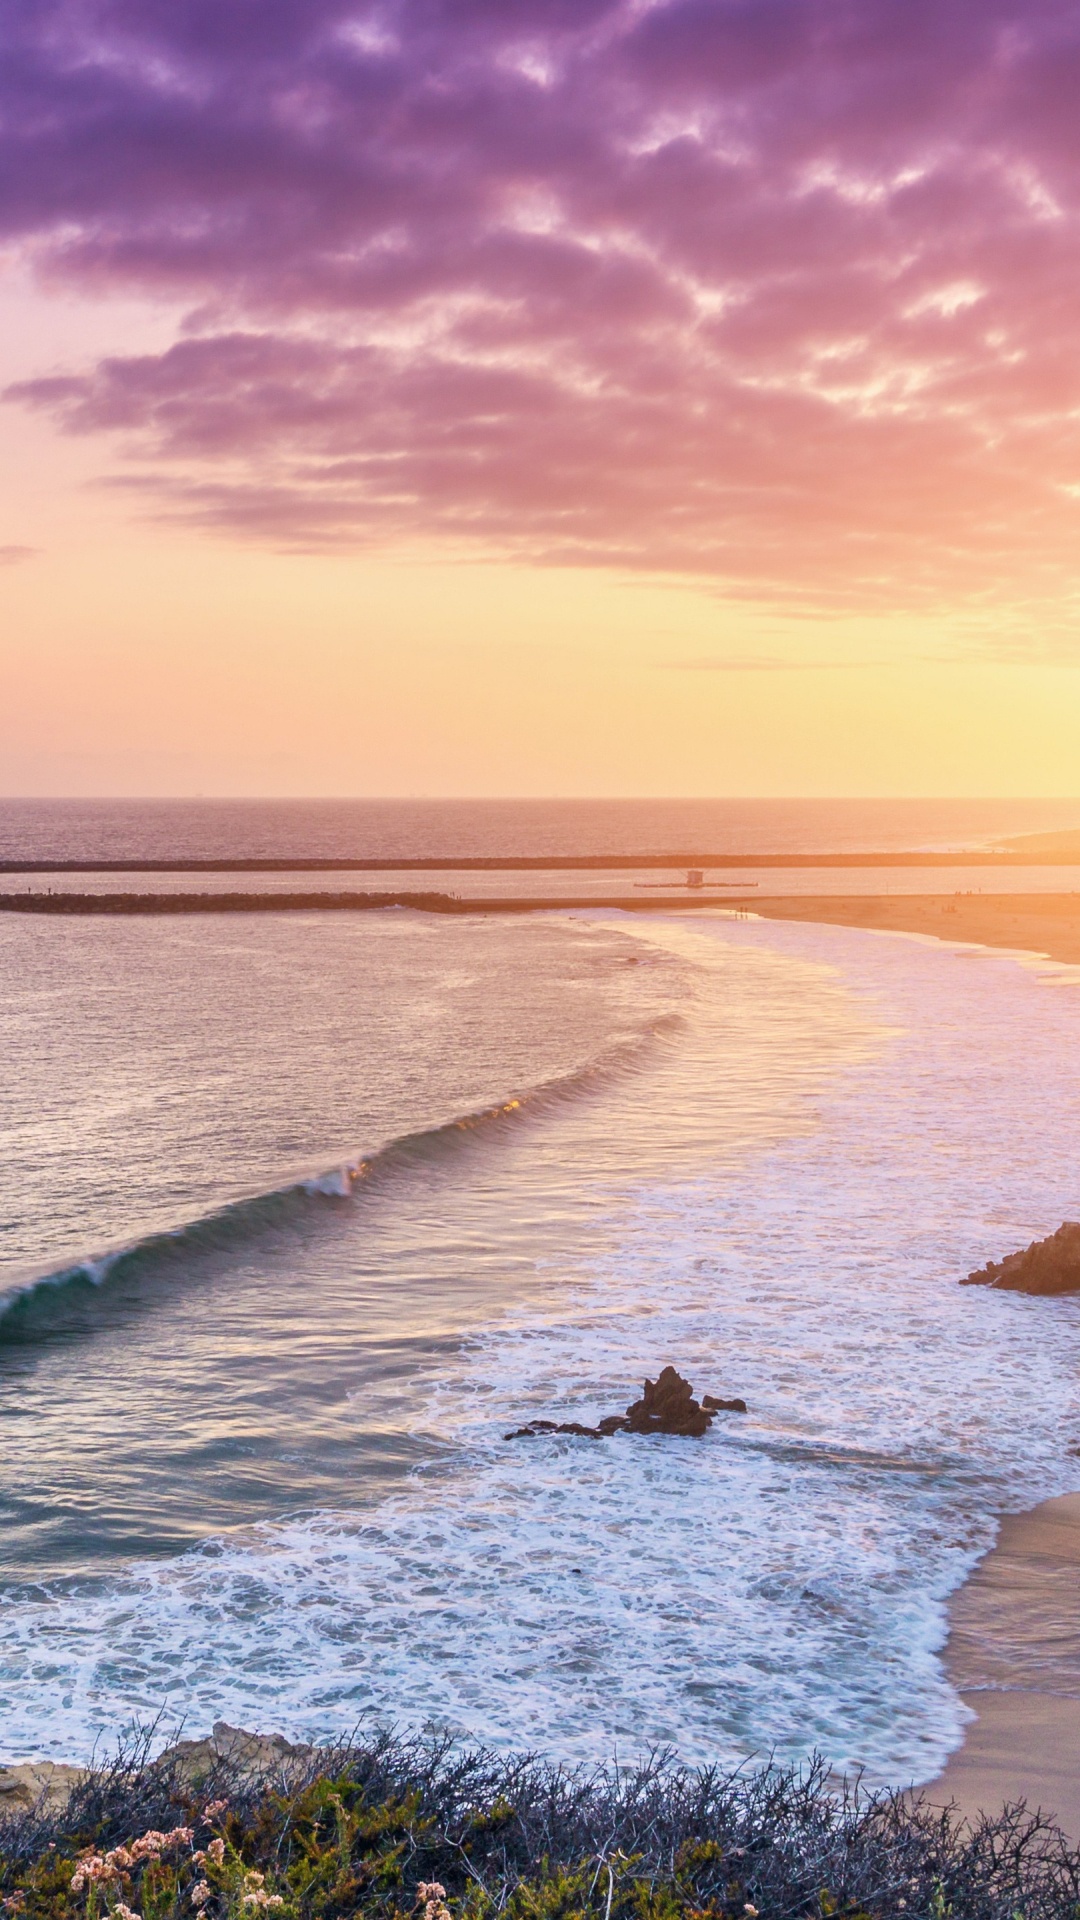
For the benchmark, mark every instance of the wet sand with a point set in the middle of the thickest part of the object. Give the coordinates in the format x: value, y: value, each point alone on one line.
x: 1046, y: 923
x: 1014, y: 1654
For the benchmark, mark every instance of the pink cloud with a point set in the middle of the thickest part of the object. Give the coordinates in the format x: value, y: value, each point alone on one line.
x: 779, y: 292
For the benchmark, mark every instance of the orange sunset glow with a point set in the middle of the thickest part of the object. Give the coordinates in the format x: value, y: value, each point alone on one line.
x: 625, y: 398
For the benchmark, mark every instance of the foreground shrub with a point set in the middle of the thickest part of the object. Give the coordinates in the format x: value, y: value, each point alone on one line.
x: 407, y: 1830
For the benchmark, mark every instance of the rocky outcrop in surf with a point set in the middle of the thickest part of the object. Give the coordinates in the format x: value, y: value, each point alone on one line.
x: 1046, y: 1266
x: 667, y: 1405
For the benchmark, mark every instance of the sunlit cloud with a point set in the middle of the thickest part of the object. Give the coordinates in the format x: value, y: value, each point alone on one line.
x: 780, y: 294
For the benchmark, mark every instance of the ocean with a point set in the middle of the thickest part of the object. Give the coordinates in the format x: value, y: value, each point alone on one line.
x: 301, y: 1215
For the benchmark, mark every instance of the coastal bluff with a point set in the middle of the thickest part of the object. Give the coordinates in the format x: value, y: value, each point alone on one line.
x: 48, y: 1785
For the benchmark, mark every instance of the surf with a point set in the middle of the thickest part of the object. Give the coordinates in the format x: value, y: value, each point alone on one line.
x: 33, y: 1304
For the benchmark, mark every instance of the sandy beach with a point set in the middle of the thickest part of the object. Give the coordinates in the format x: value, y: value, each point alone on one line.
x: 1014, y: 1654
x: 1041, y: 922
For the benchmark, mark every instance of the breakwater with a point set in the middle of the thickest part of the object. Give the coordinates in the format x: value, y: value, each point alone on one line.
x: 157, y: 903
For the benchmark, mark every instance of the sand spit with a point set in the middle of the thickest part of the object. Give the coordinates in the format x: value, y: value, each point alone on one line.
x: 1045, y: 923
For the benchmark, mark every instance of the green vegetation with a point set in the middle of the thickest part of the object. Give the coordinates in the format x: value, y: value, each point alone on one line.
x: 397, y: 1830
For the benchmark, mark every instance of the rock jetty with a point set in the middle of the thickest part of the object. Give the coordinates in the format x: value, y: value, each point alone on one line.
x: 1047, y: 1266
x: 667, y: 1405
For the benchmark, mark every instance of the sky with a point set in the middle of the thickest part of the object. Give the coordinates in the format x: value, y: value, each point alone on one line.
x: 540, y: 396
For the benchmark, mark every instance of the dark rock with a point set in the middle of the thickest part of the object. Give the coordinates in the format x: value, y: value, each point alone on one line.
x: 537, y: 1428
x: 1047, y: 1266
x: 668, y: 1406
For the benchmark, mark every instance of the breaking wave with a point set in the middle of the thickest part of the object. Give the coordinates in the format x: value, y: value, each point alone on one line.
x: 30, y: 1303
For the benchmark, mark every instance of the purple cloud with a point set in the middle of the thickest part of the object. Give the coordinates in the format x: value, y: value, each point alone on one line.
x: 779, y: 292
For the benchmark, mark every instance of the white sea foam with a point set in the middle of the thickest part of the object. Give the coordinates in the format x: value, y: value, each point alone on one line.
x: 338, y: 1183
x: 848, y: 1125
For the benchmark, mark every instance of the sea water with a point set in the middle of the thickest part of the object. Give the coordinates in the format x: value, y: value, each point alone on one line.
x: 301, y: 1217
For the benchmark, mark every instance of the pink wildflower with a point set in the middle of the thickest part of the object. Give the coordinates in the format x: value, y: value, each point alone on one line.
x: 255, y: 1896
x: 92, y: 1867
x: 433, y: 1896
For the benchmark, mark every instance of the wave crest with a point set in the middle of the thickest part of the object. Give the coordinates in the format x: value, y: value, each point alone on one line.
x: 31, y: 1304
